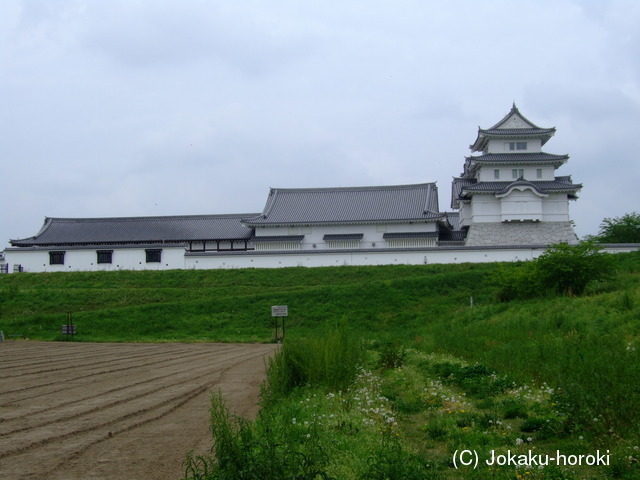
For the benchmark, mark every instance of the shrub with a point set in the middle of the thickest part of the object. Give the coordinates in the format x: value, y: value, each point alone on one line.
x: 392, y: 355
x: 564, y: 269
x: 568, y: 269
x: 520, y: 280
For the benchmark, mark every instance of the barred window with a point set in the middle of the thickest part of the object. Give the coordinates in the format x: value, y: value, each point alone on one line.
x: 105, y: 256
x: 56, y: 258
x: 154, y: 256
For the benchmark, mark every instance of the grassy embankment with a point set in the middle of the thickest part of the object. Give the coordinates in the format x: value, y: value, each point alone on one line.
x: 435, y: 375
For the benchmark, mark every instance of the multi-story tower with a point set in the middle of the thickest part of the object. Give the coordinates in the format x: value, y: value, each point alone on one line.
x: 509, y: 194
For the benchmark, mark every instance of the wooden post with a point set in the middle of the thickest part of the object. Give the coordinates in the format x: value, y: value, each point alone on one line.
x: 279, y: 311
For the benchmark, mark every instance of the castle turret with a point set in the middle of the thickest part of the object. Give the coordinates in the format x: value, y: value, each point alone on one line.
x: 509, y: 194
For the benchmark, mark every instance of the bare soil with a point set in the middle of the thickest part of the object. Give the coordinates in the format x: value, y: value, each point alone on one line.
x: 117, y: 411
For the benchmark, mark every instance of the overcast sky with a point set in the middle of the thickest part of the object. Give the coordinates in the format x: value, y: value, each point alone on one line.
x: 153, y: 107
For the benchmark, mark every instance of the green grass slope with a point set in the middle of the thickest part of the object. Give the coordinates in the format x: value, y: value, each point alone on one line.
x: 233, y: 305
x: 467, y: 361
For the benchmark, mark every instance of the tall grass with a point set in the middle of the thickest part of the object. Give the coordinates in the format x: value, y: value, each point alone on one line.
x: 586, y: 347
x: 322, y: 417
x: 330, y: 360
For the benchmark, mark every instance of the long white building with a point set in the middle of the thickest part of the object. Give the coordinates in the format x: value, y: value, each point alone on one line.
x: 507, y: 205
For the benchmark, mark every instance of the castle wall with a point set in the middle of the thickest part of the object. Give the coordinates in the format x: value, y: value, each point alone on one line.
x: 520, y: 233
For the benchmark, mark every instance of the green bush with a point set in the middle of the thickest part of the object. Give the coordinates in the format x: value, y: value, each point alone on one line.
x: 519, y: 280
x: 568, y: 269
x: 392, y: 355
x: 562, y: 269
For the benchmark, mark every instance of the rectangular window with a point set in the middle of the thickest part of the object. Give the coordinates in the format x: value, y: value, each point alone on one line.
x: 539, y: 173
x: 105, y: 256
x: 154, y: 256
x: 56, y: 258
x: 516, y: 145
x: 517, y: 173
x: 496, y: 174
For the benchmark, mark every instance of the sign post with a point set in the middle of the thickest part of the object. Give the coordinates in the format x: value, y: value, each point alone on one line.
x: 279, y: 311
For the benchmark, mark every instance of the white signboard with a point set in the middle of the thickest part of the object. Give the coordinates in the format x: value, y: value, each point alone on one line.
x: 279, y: 311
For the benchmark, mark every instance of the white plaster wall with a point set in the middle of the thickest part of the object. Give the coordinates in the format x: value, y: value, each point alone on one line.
x: 37, y: 261
x: 521, y: 205
x: 466, y: 214
x: 555, y: 208
x: 485, y: 208
x: 86, y: 260
x: 305, y: 259
x: 486, y: 173
x: 498, y: 145
x: 372, y: 234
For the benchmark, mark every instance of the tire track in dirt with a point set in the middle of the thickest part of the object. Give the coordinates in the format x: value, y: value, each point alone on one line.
x: 107, y: 409
x: 74, y: 376
x: 20, y: 363
x: 74, y: 363
x: 183, y: 400
x: 61, y: 417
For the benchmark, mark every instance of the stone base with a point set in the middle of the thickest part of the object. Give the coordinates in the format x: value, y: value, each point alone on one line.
x: 520, y: 233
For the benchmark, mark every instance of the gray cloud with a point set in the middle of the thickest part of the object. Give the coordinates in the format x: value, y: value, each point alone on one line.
x: 151, y: 108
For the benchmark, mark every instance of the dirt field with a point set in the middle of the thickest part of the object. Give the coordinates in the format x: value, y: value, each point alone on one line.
x: 116, y: 411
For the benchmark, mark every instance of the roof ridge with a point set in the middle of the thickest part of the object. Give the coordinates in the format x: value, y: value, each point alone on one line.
x: 505, y: 154
x: 514, y: 110
x: 353, y: 188
x: 147, y: 217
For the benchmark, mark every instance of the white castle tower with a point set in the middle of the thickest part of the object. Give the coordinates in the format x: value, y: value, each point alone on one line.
x: 509, y: 194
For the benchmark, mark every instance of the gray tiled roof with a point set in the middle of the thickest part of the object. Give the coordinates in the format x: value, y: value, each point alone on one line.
x: 349, y: 205
x: 497, y: 131
x: 456, y: 189
x: 70, y: 231
x: 277, y: 238
x: 409, y: 235
x: 560, y: 184
x: 452, y: 237
x: 454, y: 220
x: 517, y: 132
x: 522, y: 158
x: 342, y: 236
x: 514, y: 110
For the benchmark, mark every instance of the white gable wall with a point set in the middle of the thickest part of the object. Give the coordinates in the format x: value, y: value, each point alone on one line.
x: 522, y: 205
x: 518, y: 205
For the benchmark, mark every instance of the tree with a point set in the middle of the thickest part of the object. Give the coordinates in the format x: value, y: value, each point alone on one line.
x: 624, y: 229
